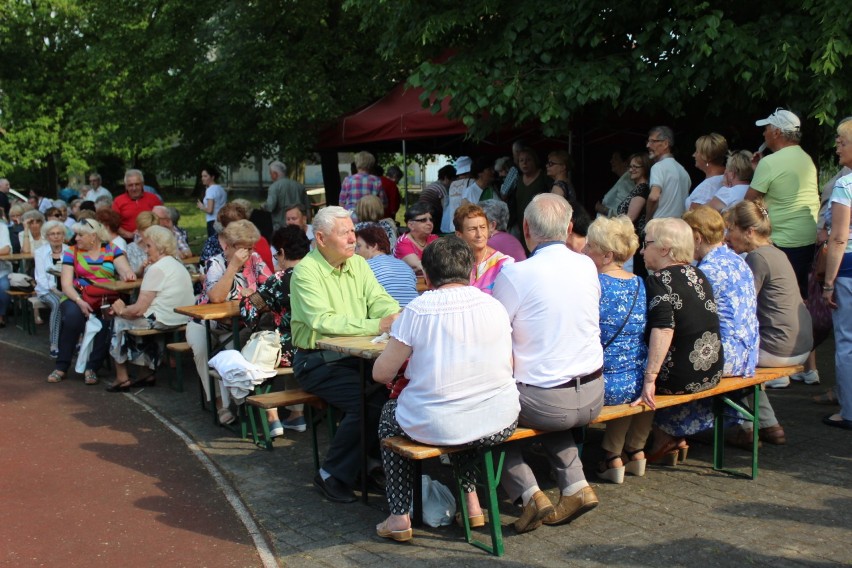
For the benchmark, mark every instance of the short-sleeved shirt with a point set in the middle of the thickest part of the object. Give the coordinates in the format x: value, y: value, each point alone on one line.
x: 5, y: 241
x: 357, y: 186
x: 730, y: 196
x: 785, y: 323
x: 128, y: 208
x: 842, y: 194
x: 674, y: 182
x: 705, y: 191
x: 170, y: 281
x: 253, y: 274
x: 405, y: 246
x: 460, y: 373
x: 681, y: 298
x: 396, y: 278
x: 788, y: 180
x: 92, y: 266
x: 219, y: 197
x: 283, y: 193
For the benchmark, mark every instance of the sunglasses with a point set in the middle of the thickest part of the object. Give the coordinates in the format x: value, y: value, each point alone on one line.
x: 423, y: 220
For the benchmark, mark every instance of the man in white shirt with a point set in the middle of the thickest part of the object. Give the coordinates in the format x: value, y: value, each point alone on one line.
x: 620, y: 190
x: 558, y: 360
x: 668, y: 180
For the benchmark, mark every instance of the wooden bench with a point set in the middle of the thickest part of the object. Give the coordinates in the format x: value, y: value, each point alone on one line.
x: 175, y: 335
x: 178, y: 349
x: 490, y: 475
x: 312, y: 402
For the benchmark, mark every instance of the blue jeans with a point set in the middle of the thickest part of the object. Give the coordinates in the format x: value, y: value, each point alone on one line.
x: 4, y: 297
x: 843, y: 344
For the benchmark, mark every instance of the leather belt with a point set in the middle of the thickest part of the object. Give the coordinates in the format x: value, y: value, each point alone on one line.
x: 581, y: 380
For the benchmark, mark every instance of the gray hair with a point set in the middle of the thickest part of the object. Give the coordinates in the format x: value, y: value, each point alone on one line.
x: 245, y: 204
x: 502, y: 163
x: 325, y: 218
x: 448, y: 260
x: 497, y: 212
x: 794, y: 136
x: 674, y: 234
x: 103, y: 200
x: 59, y: 204
x: 548, y: 216
x: 163, y: 239
x: 32, y: 214
x: 134, y: 173
x: 364, y: 161
x: 665, y: 133
x: 279, y: 167
x: 174, y: 214
x: 97, y: 176
x: 49, y: 226
x: 4, y: 183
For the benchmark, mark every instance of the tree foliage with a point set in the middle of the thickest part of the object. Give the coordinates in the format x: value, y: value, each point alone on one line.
x: 173, y: 84
x: 515, y: 61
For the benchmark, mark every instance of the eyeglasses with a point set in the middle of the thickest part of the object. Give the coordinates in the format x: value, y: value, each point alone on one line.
x: 423, y: 220
x: 645, y: 245
x: 655, y: 140
x: 549, y: 163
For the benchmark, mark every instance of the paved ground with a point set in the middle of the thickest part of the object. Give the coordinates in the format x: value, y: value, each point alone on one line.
x: 797, y: 513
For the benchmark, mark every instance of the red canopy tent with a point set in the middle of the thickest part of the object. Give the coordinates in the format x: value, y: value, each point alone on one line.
x: 396, y: 117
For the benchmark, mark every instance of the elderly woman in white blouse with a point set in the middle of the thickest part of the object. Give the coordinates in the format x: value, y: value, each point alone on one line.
x: 47, y: 285
x: 460, y: 389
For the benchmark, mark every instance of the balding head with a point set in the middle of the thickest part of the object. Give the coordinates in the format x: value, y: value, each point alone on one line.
x: 164, y: 218
x: 4, y: 185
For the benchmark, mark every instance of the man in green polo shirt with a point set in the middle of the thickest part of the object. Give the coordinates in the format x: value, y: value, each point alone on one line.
x: 334, y: 292
x: 787, y: 181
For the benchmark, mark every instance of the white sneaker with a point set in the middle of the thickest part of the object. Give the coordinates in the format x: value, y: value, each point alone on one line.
x: 779, y: 383
x: 807, y: 377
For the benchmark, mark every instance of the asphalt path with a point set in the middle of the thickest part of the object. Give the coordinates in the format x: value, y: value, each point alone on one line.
x: 90, y: 478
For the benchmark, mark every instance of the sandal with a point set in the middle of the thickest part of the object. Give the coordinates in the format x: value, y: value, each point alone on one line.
x: 475, y: 521
x: 632, y: 465
x: 56, y: 377
x: 743, y: 439
x: 90, y: 377
x: 225, y: 416
x: 828, y: 398
x: 611, y: 474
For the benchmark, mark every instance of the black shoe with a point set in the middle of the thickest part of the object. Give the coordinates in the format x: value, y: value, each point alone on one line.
x: 123, y: 387
x: 334, y: 490
x: 842, y: 423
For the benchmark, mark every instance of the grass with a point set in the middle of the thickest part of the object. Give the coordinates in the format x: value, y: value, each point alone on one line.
x: 192, y: 219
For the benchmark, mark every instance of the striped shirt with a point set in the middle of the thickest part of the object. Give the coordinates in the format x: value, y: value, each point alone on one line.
x: 396, y: 277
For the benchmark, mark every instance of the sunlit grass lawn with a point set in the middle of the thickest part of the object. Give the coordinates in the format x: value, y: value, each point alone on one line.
x: 192, y: 219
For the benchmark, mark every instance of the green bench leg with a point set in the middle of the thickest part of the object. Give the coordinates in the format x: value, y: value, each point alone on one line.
x: 488, y: 476
x: 720, y: 403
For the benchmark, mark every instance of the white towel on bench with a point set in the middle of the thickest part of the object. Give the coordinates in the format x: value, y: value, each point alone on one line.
x: 239, y: 377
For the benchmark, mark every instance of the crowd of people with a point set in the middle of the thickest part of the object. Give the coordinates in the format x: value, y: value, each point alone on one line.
x: 537, y: 315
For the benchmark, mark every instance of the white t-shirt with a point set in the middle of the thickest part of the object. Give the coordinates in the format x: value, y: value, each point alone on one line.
x: 5, y: 265
x: 219, y: 197
x: 674, y: 182
x: 730, y: 196
x: 705, y: 191
x: 553, y: 300
x: 171, y: 281
x: 455, y: 194
x: 460, y: 369
x: 472, y: 193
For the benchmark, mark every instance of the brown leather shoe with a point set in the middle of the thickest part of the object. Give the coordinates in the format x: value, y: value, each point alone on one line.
x: 742, y: 439
x: 572, y: 506
x: 534, y: 511
x: 773, y: 435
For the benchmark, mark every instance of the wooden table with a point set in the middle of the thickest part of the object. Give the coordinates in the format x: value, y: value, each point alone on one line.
x: 191, y: 260
x: 17, y: 256
x: 127, y: 287
x: 362, y: 348
x: 208, y: 313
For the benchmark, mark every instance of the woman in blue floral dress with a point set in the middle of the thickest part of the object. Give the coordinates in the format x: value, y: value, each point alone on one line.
x: 609, y: 243
x: 736, y: 302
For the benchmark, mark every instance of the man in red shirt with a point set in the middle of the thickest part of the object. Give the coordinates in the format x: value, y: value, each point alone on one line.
x: 132, y: 202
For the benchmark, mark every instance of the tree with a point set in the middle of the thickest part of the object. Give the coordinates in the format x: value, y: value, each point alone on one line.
x: 516, y: 61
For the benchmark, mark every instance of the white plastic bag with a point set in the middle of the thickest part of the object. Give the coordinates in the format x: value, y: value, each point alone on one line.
x: 93, y: 326
x: 439, y: 505
x: 264, y: 350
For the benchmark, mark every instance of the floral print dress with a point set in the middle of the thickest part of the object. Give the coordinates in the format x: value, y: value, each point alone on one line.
x: 680, y: 298
x: 625, y: 351
x: 733, y: 288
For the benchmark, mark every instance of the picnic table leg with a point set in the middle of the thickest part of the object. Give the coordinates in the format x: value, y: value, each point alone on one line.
x: 363, y: 368
x: 755, y: 429
x: 719, y: 404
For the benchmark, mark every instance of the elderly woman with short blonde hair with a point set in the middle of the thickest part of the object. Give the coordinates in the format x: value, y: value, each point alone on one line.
x: 684, y: 340
x: 610, y: 242
x: 166, y: 286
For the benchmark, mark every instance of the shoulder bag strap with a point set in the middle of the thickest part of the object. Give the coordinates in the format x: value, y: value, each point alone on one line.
x: 630, y: 311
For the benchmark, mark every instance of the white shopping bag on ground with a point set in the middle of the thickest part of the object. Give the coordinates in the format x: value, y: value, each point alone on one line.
x: 93, y: 326
x: 439, y: 505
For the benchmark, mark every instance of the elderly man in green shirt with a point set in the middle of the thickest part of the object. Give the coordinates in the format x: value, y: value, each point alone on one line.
x: 334, y: 292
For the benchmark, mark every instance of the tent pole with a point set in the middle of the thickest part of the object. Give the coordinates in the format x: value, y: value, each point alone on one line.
x: 405, y: 172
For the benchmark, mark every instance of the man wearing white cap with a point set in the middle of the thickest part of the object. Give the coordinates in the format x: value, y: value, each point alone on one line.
x: 455, y: 192
x: 787, y: 181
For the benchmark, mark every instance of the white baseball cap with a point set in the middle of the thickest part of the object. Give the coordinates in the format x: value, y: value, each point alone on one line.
x: 783, y: 120
x: 463, y: 165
